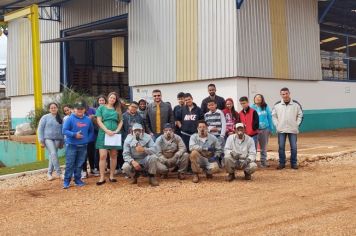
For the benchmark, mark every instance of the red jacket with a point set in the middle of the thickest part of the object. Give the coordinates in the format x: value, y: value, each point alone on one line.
x: 251, y: 121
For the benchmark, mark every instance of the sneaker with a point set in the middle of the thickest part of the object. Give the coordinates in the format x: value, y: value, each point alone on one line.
x: 66, y: 185
x: 230, y: 177
x: 196, y: 178
x: 280, y: 167
x: 264, y: 164
x: 50, y: 177
x: 84, y: 174
x: 96, y: 172
x: 79, y: 183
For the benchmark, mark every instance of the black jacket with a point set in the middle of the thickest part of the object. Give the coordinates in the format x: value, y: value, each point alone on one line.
x: 189, y: 119
x: 220, y: 102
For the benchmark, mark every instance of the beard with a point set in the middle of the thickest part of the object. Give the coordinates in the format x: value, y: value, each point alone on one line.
x: 240, y: 134
x: 138, y: 135
x: 168, y: 135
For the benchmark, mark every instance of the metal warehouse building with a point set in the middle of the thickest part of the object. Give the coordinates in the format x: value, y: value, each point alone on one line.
x: 244, y: 47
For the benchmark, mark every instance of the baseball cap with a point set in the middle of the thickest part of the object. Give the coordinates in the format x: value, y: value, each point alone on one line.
x: 137, y: 126
x: 167, y: 126
x: 239, y: 125
x: 80, y: 104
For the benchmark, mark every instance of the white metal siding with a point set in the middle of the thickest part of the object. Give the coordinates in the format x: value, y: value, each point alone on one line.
x: 303, y: 39
x: 19, y: 71
x: 254, y: 40
x: 217, y: 39
x: 79, y: 12
x: 152, y: 42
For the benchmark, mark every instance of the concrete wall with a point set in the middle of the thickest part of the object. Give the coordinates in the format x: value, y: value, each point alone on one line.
x: 326, y: 104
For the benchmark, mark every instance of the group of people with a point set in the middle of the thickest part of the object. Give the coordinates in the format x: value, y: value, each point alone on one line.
x: 158, y: 139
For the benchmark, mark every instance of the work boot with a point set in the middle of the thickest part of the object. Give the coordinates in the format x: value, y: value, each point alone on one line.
x: 134, y: 178
x: 208, y: 174
x: 230, y: 177
x: 181, y: 176
x: 247, y: 176
x: 295, y: 167
x: 280, y: 167
x: 153, y: 181
x: 196, y: 178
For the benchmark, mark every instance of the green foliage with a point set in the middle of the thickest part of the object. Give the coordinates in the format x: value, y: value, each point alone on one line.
x: 68, y: 96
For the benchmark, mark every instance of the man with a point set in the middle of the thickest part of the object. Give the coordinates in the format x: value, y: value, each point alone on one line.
x: 249, y: 117
x: 171, y: 152
x: 216, y: 121
x: 240, y: 153
x: 178, y: 110
x: 220, y: 101
x: 188, y: 120
x: 139, y: 155
x: 205, y: 151
x: 287, y: 115
x: 129, y: 118
x: 158, y: 113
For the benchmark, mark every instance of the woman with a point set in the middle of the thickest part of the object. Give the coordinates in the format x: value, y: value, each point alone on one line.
x: 231, y: 115
x: 265, y: 126
x: 110, y: 123
x: 67, y: 110
x: 50, y: 136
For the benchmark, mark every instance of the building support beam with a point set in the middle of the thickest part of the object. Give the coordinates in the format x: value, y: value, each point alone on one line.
x: 327, y: 9
x: 32, y: 13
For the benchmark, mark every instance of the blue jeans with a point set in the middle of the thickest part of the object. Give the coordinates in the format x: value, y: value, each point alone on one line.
x: 255, y: 140
x: 53, y: 163
x: 75, y: 157
x: 282, y: 148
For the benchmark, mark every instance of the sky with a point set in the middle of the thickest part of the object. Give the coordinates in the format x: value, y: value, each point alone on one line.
x: 3, y: 43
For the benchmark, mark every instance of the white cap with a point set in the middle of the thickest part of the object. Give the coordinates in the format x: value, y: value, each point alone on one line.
x: 238, y: 125
x: 137, y: 126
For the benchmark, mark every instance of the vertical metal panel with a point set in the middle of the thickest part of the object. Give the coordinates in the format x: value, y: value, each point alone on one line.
x: 254, y: 40
x: 19, y: 70
x: 303, y: 39
x: 279, y: 38
x: 79, y: 12
x: 118, y: 53
x: 217, y: 38
x: 152, y: 42
x: 187, y: 40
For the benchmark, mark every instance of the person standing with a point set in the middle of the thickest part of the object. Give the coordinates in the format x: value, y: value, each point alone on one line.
x: 240, y: 153
x: 129, y: 118
x: 220, y: 101
x: 287, y: 115
x: 265, y: 127
x: 158, y: 113
x: 50, y: 136
x: 249, y: 118
x: 177, y: 111
x: 188, y: 120
x: 79, y: 130
x: 142, y: 105
x: 232, y: 117
x: 110, y: 123
x: 215, y: 119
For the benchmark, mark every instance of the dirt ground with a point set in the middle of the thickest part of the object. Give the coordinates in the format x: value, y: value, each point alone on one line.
x: 317, y: 199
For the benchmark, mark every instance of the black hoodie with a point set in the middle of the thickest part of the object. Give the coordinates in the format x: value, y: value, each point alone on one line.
x: 189, y: 119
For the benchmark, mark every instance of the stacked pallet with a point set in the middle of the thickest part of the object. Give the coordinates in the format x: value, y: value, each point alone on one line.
x: 5, y: 123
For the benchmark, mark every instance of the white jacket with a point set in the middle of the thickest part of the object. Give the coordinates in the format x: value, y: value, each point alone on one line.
x: 287, y: 118
x: 245, y: 149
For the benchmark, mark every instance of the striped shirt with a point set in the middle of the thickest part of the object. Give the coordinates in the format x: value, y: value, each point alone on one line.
x: 216, y: 120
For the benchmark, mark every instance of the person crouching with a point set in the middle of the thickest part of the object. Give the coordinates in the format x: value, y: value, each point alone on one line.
x: 79, y: 130
x: 171, y: 152
x: 205, y: 151
x: 139, y: 155
x: 240, y: 153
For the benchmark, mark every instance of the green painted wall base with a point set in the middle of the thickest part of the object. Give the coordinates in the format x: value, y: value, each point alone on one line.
x: 16, y: 153
x: 17, y: 121
x: 328, y: 119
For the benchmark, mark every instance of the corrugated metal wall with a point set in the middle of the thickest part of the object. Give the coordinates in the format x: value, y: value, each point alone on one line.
x: 217, y: 39
x: 19, y: 75
x: 152, y: 42
x: 79, y: 12
x: 254, y: 40
x: 303, y: 39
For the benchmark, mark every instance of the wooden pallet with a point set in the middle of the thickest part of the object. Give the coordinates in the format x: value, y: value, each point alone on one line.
x: 5, y: 124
